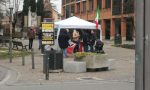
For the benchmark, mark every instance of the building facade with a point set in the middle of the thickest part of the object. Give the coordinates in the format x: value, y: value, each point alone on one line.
x: 50, y: 12
x: 116, y: 16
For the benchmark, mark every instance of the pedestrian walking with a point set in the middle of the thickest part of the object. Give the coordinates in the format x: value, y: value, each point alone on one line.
x: 40, y: 37
x: 31, y: 36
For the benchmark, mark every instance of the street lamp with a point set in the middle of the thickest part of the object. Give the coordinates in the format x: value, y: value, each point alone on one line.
x: 11, y: 19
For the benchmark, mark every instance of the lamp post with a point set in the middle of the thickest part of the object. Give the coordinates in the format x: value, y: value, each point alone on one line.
x: 10, y: 40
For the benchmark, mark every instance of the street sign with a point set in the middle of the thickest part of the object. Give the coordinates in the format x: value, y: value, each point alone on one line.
x: 48, y: 33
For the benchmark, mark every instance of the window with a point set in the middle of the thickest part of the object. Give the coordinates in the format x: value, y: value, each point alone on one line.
x: 63, y: 2
x: 84, y: 6
x: 116, y: 7
x: 108, y: 4
x: 64, y: 10
x: 91, y: 5
x: 78, y: 7
x: 99, y: 3
x: 47, y: 14
x: 128, y: 6
x: 72, y: 0
x: 67, y: 11
x: 67, y: 1
x: 72, y: 9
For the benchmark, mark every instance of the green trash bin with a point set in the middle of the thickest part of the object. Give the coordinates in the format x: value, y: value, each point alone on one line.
x: 54, y: 59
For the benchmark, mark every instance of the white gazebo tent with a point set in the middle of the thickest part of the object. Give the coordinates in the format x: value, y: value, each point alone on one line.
x: 76, y: 23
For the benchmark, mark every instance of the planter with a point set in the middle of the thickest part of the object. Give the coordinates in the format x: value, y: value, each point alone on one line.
x: 74, y: 66
x: 79, y: 56
x: 96, y: 61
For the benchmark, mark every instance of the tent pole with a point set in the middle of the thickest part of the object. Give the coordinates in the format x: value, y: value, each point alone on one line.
x: 58, y: 32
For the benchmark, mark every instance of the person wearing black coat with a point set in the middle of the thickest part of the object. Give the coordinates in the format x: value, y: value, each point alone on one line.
x: 86, y: 40
x: 40, y: 37
x: 63, y: 41
x: 99, y: 46
x: 92, y: 40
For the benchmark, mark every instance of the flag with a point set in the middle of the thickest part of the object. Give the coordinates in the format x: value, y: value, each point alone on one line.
x: 97, y: 17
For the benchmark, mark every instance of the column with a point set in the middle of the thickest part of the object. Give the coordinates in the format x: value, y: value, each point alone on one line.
x: 123, y: 29
x: 95, y: 4
x: 103, y: 27
x: 103, y: 4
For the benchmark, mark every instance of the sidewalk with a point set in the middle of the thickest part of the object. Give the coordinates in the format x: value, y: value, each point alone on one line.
x: 122, y: 69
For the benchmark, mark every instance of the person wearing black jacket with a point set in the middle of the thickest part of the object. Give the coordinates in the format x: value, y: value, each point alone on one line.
x: 86, y: 40
x: 63, y: 41
x: 99, y: 46
x: 40, y: 37
x: 92, y: 40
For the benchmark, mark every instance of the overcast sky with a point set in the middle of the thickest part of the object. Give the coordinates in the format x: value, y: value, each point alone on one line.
x: 56, y: 2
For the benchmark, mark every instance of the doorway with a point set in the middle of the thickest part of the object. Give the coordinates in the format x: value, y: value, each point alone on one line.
x: 117, y: 27
x: 107, y: 30
x: 129, y: 29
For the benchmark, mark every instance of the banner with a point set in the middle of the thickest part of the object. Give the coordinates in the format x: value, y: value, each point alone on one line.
x: 48, y: 33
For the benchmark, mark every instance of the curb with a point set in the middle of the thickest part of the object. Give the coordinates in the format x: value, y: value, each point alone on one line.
x: 72, y: 82
x: 11, y: 74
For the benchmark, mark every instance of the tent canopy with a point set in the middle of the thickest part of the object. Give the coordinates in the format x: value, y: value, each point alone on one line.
x: 75, y: 23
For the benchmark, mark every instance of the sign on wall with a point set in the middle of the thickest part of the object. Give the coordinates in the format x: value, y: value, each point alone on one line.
x: 47, y: 19
x: 48, y: 33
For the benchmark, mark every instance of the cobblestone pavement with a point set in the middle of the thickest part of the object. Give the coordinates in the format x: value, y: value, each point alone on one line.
x: 122, y: 68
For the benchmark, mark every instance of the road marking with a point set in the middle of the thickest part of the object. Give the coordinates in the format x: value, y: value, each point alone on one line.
x: 89, y: 78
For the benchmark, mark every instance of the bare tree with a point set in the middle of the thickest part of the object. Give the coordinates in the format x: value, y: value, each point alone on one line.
x: 2, y: 3
x: 3, y: 6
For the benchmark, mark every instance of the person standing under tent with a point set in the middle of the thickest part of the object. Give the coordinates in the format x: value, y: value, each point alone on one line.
x: 92, y: 40
x: 86, y: 40
x: 63, y: 41
x: 75, y: 39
